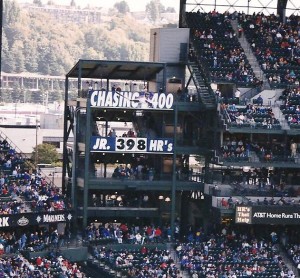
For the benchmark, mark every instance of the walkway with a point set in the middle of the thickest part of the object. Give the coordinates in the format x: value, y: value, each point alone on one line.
x: 173, y: 255
x: 250, y: 56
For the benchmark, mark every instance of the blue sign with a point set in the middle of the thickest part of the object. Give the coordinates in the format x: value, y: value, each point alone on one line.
x: 131, y: 100
x: 131, y: 145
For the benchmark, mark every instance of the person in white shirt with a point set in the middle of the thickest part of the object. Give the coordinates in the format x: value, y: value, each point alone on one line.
x: 237, y: 94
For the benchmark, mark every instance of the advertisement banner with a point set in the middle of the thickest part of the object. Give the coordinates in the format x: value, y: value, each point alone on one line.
x: 274, y: 215
x: 131, y: 145
x: 30, y: 219
x: 132, y: 100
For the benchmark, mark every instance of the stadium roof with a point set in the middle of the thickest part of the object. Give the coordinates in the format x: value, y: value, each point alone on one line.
x: 247, y: 6
x: 127, y: 70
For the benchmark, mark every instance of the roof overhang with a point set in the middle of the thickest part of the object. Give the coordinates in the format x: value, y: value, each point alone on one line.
x: 126, y: 70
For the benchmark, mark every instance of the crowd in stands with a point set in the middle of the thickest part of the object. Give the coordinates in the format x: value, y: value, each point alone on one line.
x: 29, y: 193
x: 231, y: 202
x: 52, y: 266
x: 139, y: 172
x: 237, y: 150
x: 250, y: 115
x: 290, y: 106
x: 242, y: 149
x: 218, y: 48
x: 133, y: 234
x: 234, y: 149
x: 230, y: 253
x: 293, y: 249
x: 33, y: 240
x: 276, y: 45
x: 21, y: 191
x: 145, y: 262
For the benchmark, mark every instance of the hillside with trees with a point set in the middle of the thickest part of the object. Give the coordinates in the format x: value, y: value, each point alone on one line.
x: 35, y: 42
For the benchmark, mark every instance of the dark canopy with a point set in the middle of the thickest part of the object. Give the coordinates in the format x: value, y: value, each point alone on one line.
x: 98, y: 69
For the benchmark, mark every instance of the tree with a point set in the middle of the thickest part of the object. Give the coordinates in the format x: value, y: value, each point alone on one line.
x: 31, y: 56
x: 27, y: 97
x: 73, y: 4
x: 153, y: 10
x: 11, y: 13
x: 38, y: 2
x: 170, y: 10
x: 17, y: 92
x: 6, y: 95
x: 122, y: 7
x: 46, y: 153
x: 9, y: 63
x: 112, y: 25
x: 17, y: 54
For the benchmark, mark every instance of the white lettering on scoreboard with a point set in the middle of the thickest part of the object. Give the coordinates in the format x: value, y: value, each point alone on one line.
x: 159, y: 144
x: 4, y: 222
x: 243, y: 215
x: 131, y: 100
x: 49, y: 218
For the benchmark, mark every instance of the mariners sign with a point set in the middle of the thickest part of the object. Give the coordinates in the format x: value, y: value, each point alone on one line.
x: 131, y: 100
x: 29, y: 219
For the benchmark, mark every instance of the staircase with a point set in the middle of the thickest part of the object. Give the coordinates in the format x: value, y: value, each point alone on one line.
x: 250, y: 56
x: 278, y: 115
x: 205, y: 93
x: 288, y: 262
x: 173, y: 255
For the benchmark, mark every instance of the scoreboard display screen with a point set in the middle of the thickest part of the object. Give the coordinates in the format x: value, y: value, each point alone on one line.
x: 131, y: 145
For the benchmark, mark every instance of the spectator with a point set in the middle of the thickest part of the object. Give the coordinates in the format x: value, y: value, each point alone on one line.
x: 260, y: 100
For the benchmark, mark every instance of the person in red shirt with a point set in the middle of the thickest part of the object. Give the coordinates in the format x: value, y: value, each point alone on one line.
x: 144, y: 250
x: 38, y: 261
x: 157, y: 234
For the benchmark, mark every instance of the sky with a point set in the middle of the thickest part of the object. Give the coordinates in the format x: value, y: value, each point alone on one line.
x: 134, y: 5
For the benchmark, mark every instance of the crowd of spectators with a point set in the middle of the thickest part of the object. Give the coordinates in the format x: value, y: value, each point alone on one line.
x: 235, y: 149
x: 144, y: 262
x: 139, y: 171
x: 293, y: 250
x: 33, y: 240
x: 276, y: 45
x: 47, y: 267
x: 250, y: 115
x: 281, y: 201
x: 243, y: 149
x: 239, y: 149
x: 290, y: 106
x: 232, y: 202
x: 217, y: 46
x: 230, y: 253
x: 22, y: 191
x: 132, y: 234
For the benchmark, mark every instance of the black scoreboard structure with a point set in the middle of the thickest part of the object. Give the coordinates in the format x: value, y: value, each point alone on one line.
x: 128, y: 142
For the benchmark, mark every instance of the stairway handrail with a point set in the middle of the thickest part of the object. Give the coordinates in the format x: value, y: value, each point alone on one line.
x: 252, y: 92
